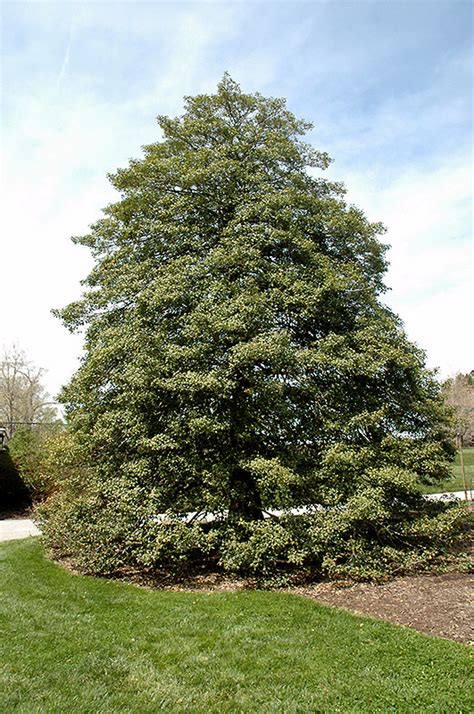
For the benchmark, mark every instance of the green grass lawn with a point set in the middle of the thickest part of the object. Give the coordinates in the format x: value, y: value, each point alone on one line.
x: 77, y: 644
x: 455, y: 483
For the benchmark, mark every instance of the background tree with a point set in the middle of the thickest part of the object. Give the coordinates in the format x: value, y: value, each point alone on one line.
x: 23, y: 399
x: 239, y: 359
x: 29, y: 419
x: 459, y: 395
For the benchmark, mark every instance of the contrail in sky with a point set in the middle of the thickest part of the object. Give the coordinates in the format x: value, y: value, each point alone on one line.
x: 65, y: 62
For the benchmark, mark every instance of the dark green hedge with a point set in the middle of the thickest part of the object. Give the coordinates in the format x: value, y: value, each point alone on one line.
x: 14, y: 494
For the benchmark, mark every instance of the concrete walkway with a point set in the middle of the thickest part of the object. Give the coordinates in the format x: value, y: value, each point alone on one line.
x: 15, y: 528
x: 449, y: 496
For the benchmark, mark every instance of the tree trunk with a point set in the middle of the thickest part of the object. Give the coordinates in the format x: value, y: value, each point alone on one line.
x: 245, y: 502
x: 463, y: 470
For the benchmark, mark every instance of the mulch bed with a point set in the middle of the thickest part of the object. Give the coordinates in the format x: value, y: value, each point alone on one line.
x: 441, y: 605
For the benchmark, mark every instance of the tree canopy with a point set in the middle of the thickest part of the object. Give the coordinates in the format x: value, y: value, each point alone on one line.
x: 239, y: 359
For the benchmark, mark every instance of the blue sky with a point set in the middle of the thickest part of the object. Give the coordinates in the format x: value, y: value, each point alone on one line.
x: 387, y: 84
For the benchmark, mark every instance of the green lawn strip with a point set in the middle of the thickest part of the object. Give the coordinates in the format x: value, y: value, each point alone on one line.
x: 80, y: 644
x: 456, y: 482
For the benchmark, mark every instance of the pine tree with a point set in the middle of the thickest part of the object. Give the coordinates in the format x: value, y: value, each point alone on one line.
x: 239, y: 357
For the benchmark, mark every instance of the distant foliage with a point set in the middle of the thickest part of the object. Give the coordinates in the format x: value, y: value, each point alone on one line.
x: 27, y: 415
x: 24, y: 401
x: 239, y: 359
x: 458, y: 392
x: 35, y: 452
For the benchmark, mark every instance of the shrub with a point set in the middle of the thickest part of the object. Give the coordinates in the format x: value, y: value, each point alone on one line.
x: 36, y: 453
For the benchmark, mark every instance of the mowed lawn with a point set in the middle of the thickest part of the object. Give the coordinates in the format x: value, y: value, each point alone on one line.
x: 77, y: 644
x: 456, y: 483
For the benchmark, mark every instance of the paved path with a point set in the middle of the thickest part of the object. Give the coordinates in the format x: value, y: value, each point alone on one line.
x: 15, y: 528
x: 450, y: 495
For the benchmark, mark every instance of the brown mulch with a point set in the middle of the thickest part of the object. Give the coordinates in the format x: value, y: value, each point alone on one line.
x: 441, y: 605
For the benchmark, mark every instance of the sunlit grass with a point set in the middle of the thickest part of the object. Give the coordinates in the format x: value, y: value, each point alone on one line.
x: 76, y: 644
x: 456, y: 482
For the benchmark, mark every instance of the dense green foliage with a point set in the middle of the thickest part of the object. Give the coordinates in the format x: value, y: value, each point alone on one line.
x: 33, y: 451
x: 239, y: 359
x: 86, y: 645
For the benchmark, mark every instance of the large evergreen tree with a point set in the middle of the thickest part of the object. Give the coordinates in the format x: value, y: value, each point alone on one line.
x: 239, y: 359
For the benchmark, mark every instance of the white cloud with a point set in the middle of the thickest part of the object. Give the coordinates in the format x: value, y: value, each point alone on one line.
x: 69, y: 119
x: 61, y: 138
x: 428, y: 214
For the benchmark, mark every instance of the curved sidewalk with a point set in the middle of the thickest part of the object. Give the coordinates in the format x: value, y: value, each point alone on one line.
x: 15, y: 528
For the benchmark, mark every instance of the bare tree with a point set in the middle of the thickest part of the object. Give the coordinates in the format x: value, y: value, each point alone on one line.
x: 459, y: 394
x: 23, y: 399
